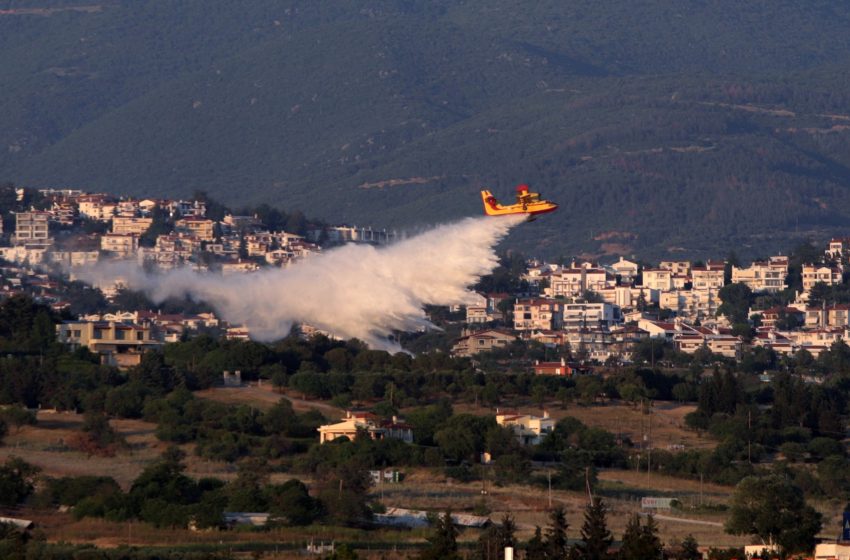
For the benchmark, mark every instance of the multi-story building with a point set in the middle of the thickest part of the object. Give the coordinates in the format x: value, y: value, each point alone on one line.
x: 365, y: 423
x: 528, y: 429
x: 709, y: 276
x: 724, y: 344
x: 838, y: 247
x: 578, y: 279
x: 774, y: 316
x: 660, y: 279
x: 626, y: 297
x: 129, y: 224
x: 128, y: 208
x: 591, y: 315
x: 763, y: 276
x: 63, y: 212
x: 837, y: 315
x: 122, y: 245
x: 482, y: 341
x: 678, y: 268
x: 119, y: 344
x: 187, y: 208
x: 691, y: 304
x: 96, y: 207
x: 626, y: 270
x: 74, y: 259
x: 32, y: 228
x: 201, y: 228
x: 820, y: 274
x: 537, y: 314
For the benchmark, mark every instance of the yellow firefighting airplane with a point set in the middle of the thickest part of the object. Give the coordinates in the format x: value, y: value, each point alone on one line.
x: 526, y: 203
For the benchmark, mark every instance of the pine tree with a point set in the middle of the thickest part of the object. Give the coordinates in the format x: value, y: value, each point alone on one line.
x: 690, y: 549
x: 494, y: 539
x: 650, y: 538
x: 557, y: 546
x: 506, y: 533
x: 535, y: 549
x: 595, y: 536
x: 640, y: 542
x: 443, y: 543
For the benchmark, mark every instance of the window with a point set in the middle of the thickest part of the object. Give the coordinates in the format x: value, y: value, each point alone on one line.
x: 119, y: 334
x: 98, y: 334
x: 140, y: 335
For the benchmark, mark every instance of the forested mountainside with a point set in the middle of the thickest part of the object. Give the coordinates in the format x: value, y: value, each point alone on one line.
x: 663, y: 128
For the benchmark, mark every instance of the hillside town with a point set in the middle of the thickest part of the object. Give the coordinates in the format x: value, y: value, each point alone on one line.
x: 66, y: 231
x: 550, y: 335
x: 599, y: 312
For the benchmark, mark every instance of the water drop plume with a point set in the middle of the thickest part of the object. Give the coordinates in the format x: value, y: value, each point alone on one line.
x: 354, y: 291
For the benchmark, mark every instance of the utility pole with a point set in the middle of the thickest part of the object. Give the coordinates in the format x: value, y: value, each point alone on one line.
x: 649, y: 443
x: 749, y: 436
x: 549, y: 479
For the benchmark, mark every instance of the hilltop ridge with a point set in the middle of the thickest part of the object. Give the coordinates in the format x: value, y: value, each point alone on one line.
x: 659, y: 129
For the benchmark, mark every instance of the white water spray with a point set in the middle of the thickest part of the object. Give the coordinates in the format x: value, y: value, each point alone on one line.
x: 355, y: 291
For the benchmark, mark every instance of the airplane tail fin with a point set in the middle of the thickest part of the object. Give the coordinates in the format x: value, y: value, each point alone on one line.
x: 490, y: 203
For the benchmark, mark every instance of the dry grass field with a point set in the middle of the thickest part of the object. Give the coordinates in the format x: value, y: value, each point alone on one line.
x: 667, y: 421
x: 620, y: 489
x: 44, y: 446
x: 265, y: 396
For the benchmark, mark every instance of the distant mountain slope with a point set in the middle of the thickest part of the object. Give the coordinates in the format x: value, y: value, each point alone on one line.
x: 665, y: 128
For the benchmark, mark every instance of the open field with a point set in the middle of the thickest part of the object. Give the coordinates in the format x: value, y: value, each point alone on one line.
x: 423, y: 489
x: 44, y: 445
x: 667, y: 421
x: 264, y: 397
x: 620, y: 489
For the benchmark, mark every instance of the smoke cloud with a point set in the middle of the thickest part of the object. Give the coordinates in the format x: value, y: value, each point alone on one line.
x: 354, y: 291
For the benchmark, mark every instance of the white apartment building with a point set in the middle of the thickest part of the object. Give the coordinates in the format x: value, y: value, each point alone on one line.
x: 660, y: 279
x: 96, y: 207
x: 691, y: 304
x: 679, y: 268
x: 626, y: 270
x: 763, y: 276
x: 627, y: 296
x: 814, y: 274
x: 537, y: 314
x: 591, y: 315
x: 838, y: 247
x: 125, y: 224
x: 121, y: 245
x: 32, y: 227
x: 709, y: 276
x: 577, y: 279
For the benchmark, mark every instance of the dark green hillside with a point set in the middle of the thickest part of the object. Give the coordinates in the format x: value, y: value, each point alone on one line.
x: 661, y: 126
